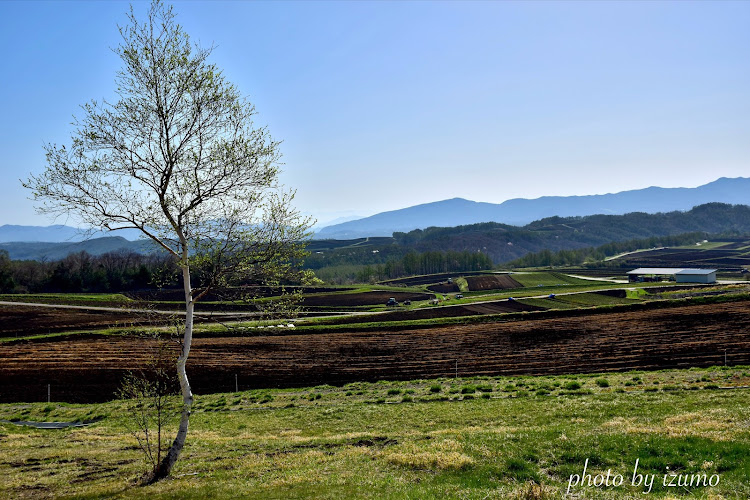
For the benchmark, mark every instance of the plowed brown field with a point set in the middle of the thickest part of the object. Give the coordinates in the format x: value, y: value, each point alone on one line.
x: 88, y: 369
x: 361, y: 298
x: 23, y: 320
x: 444, y: 288
x: 492, y: 282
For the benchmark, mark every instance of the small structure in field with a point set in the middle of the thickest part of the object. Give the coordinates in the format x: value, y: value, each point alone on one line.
x: 680, y: 275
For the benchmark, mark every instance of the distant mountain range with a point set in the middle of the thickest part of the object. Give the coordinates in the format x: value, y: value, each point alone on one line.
x: 60, y: 234
x: 501, y: 242
x: 44, y: 250
x: 520, y: 211
x: 56, y: 242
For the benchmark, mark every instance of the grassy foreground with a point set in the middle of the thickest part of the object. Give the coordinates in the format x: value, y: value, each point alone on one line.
x: 488, y: 437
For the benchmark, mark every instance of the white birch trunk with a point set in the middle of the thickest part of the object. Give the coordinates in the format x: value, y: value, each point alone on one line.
x: 165, y: 467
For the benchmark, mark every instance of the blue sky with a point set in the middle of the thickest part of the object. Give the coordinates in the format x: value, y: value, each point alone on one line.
x: 383, y: 105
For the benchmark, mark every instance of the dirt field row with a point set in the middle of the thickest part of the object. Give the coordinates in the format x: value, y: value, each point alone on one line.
x: 17, y: 321
x: 444, y: 288
x: 23, y: 320
x: 492, y: 282
x: 89, y: 369
x: 226, y: 294
x: 430, y: 278
x: 669, y: 257
x: 497, y: 307
x: 362, y: 298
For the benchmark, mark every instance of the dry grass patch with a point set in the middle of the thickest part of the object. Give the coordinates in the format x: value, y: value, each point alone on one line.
x: 430, y: 460
x: 534, y: 491
x: 715, y: 424
x: 442, y: 455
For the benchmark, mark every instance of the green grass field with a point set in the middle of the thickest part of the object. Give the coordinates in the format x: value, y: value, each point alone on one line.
x: 550, y: 303
x: 488, y: 437
x: 69, y: 298
x: 578, y: 300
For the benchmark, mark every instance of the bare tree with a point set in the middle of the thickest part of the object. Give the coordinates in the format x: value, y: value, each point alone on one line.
x: 150, y: 406
x: 177, y: 156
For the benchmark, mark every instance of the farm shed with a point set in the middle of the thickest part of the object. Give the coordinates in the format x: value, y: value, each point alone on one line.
x: 696, y: 276
x: 681, y: 275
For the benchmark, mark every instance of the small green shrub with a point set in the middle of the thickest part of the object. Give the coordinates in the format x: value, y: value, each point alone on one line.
x: 573, y: 385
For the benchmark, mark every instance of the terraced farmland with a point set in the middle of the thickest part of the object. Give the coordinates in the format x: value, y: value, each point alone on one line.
x: 89, y: 369
x: 728, y: 254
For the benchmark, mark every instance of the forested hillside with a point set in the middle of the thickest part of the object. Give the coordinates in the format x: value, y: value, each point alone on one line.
x: 503, y: 243
x: 382, y: 258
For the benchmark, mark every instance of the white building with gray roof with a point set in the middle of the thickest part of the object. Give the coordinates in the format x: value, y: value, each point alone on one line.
x: 681, y: 275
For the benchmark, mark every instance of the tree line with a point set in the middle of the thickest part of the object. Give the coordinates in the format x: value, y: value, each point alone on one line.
x: 82, y: 272
x: 115, y: 272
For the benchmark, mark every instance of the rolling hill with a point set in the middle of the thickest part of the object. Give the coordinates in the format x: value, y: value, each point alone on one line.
x: 34, y: 250
x: 59, y: 234
x: 519, y: 211
x: 503, y: 242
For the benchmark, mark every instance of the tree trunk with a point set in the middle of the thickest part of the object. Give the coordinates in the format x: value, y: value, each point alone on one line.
x: 165, y: 467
